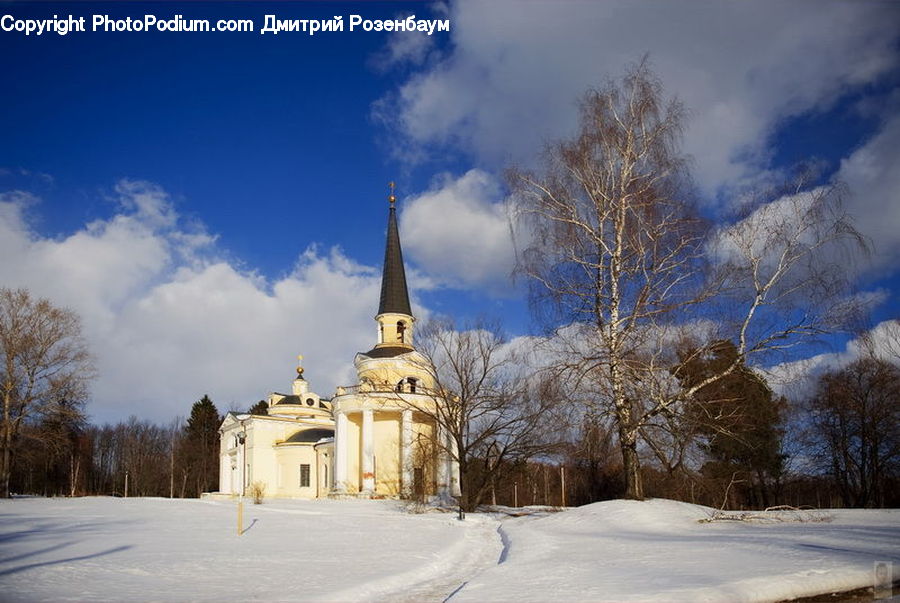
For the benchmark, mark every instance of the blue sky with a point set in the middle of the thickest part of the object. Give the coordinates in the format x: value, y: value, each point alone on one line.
x: 213, y: 204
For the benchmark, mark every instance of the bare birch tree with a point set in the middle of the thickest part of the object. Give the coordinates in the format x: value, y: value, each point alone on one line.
x: 45, y: 366
x: 627, y: 273
x: 614, y: 239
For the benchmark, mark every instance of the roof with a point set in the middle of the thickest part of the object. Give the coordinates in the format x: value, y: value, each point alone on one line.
x: 394, y: 294
x: 290, y: 400
x: 301, y: 401
x: 309, y: 436
x: 388, y: 351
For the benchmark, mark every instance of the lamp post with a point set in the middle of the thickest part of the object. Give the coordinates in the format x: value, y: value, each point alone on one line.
x: 242, y: 441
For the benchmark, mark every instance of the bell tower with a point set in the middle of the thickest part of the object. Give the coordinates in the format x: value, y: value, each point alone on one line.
x: 394, y: 318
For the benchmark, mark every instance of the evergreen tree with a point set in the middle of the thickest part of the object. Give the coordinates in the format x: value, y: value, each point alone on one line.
x: 260, y: 408
x: 200, y: 448
x: 739, y: 422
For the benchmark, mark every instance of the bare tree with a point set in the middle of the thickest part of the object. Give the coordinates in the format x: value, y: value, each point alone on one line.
x: 492, y: 411
x: 854, y: 429
x: 615, y: 240
x: 626, y: 272
x: 46, y: 366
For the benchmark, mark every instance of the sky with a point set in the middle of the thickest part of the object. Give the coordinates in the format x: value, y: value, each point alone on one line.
x: 213, y: 204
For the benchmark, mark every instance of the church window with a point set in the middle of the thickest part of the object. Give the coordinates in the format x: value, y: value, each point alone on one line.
x: 401, y: 331
x: 310, y: 402
x: 407, y: 385
x: 304, y: 475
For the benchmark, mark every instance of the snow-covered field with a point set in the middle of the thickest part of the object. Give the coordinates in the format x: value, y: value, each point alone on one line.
x: 167, y: 550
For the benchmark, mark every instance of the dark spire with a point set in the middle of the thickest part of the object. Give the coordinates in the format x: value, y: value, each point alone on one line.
x: 394, y: 295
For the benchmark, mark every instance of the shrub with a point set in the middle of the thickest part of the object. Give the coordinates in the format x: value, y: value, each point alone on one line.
x: 258, y: 492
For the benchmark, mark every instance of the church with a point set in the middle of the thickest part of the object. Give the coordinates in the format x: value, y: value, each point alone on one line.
x: 376, y: 438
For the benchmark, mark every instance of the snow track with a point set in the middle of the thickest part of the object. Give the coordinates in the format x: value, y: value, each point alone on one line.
x: 478, y: 549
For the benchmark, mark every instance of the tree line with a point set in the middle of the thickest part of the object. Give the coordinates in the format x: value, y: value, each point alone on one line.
x: 49, y: 448
x: 520, y: 437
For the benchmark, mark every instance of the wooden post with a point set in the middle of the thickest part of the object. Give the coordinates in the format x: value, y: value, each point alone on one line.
x: 172, y: 469
x: 126, y: 484
x: 546, y: 487
x: 515, y: 494
x: 240, y: 516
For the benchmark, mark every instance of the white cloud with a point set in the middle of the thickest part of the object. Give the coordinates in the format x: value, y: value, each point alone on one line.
x: 796, y: 379
x: 169, y: 320
x: 458, y: 232
x: 404, y: 48
x: 873, y: 174
x: 515, y: 70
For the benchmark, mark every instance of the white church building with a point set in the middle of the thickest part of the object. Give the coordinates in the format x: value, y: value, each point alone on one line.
x: 375, y: 438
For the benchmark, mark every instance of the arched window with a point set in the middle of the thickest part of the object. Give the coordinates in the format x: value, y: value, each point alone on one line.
x: 401, y: 331
x: 407, y: 385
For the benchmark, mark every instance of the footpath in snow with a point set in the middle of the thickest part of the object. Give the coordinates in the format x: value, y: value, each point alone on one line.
x: 187, y: 550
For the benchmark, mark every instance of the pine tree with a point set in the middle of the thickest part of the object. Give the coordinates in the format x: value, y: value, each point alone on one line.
x: 200, y: 449
x: 260, y: 408
x: 739, y: 422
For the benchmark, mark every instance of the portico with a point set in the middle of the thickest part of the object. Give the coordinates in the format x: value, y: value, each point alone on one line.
x: 387, y: 442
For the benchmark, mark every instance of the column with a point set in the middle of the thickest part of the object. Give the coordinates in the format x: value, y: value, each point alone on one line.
x: 368, y: 452
x: 225, y: 473
x: 443, y: 479
x: 340, y: 454
x: 406, y: 460
x: 452, y: 457
x: 242, y: 467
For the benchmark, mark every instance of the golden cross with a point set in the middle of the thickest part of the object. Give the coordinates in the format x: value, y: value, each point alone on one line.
x: 391, y: 197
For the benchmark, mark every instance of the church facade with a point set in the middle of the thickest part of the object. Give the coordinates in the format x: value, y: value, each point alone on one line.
x: 375, y: 438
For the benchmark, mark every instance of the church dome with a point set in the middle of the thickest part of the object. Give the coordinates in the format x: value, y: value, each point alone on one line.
x: 387, y: 351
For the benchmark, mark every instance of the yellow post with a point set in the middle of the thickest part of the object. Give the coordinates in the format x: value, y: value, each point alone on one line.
x: 240, y: 516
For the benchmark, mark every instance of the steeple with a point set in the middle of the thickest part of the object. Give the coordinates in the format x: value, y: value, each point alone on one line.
x: 394, y: 294
x: 394, y: 318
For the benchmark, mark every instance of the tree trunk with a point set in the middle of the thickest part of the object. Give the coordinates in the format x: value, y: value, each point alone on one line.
x: 631, y: 464
x: 75, y: 465
x: 6, y: 463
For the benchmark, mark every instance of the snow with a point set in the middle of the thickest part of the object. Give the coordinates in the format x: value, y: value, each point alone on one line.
x: 659, y: 550
x: 354, y: 550
x: 175, y: 550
